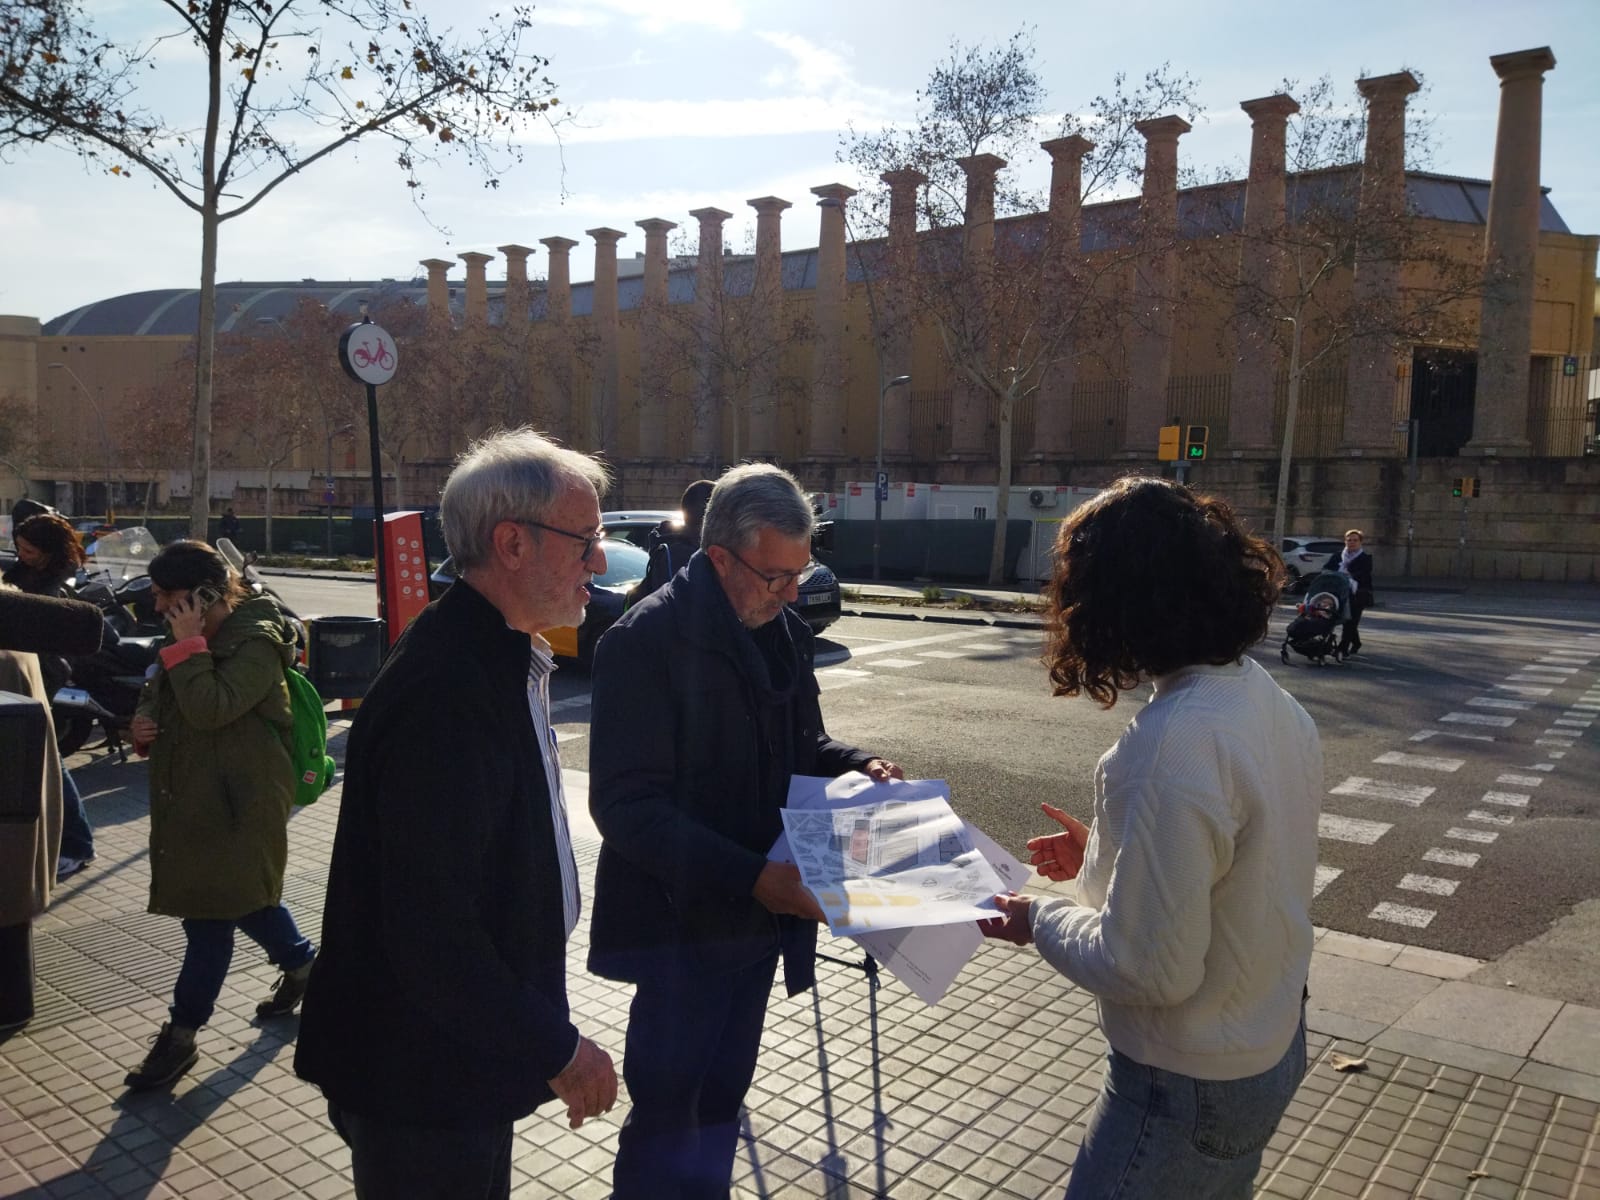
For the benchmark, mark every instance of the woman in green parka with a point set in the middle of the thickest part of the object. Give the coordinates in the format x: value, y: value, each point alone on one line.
x: 215, y: 719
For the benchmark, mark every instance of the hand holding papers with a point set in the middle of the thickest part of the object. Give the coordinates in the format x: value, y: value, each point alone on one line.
x: 895, y: 868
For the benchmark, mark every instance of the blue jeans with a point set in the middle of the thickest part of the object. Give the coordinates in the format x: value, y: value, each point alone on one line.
x: 1156, y: 1134
x: 77, y: 837
x: 408, y: 1162
x: 209, y: 950
x: 693, y: 1040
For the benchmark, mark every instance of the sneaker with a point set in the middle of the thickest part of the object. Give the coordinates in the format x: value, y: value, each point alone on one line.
x: 68, y: 866
x: 172, y: 1054
x: 287, y: 994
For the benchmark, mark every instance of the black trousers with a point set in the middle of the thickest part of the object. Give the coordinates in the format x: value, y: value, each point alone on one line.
x: 409, y: 1162
x: 1350, y: 632
x: 693, y: 1040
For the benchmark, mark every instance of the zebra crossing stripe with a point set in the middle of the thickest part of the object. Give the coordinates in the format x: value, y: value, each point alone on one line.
x: 1520, y: 780
x: 1451, y: 858
x: 1489, y: 818
x: 1425, y: 734
x: 1573, y: 722
x: 1497, y: 702
x: 1481, y: 836
x: 1324, y: 876
x: 1465, y: 718
x: 1535, y: 677
x: 1521, y: 690
x: 1431, y: 884
x: 1402, y: 914
x: 1377, y: 789
x: 1350, y: 829
x: 1555, y: 670
x: 1422, y: 762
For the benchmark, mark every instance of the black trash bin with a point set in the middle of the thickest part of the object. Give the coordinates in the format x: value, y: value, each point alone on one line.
x: 22, y: 739
x: 344, y: 655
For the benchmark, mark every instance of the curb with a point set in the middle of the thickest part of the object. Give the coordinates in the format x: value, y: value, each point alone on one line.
x: 895, y: 613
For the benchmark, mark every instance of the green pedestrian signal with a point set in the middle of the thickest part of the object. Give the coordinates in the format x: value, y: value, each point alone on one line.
x: 1194, y: 442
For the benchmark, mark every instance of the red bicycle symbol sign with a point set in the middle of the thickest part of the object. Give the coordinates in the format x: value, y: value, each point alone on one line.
x: 369, y: 353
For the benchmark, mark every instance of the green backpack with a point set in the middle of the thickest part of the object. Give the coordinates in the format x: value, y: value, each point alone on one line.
x: 308, y: 745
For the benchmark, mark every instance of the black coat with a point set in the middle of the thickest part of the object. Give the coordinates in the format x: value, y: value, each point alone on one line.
x: 671, y: 548
x: 439, y: 995
x: 1360, y: 573
x: 691, y: 748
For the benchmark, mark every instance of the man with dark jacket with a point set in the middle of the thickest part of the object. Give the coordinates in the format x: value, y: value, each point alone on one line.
x: 437, y: 1009
x: 704, y: 704
x: 673, y: 543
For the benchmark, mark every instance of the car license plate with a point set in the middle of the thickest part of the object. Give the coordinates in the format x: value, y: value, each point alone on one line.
x: 816, y: 598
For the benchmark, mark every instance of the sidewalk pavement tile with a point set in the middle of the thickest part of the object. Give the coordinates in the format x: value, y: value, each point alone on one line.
x: 1493, y: 1018
x: 1435, y: 963
x: 1363, y: 989
x: 1451, y: 1053
x: 1573, y: 1039
x: 1370, y: 950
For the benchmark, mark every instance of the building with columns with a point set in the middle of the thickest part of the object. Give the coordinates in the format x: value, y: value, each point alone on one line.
x: 674, y: 366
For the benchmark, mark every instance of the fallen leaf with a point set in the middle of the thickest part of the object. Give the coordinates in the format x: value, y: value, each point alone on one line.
x: 1477, y: 1174
x: 1343, y: 1062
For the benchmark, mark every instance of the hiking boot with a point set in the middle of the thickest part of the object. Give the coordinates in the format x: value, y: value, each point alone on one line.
x: 172, y: 1054
x: 287, y: 994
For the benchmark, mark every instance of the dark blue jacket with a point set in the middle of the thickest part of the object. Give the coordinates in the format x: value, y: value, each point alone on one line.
x: 697, y: 725
x: 439, y: 993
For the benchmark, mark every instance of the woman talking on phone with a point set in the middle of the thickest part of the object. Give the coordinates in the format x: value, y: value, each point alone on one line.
x: 215, y: 720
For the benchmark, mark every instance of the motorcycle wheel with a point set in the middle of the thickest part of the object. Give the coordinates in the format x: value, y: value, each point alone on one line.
x: 72, y: 733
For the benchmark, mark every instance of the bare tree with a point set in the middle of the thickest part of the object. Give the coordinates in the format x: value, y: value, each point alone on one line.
x: 16, y: 437
x: 1008, y: 301
x: 287, y: 85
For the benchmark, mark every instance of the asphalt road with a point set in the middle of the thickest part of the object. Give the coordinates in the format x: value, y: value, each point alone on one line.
x: 1461, y: 768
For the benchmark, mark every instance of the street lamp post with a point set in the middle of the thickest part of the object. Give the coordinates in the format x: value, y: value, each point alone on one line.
x: 100, y: 416
x: 343, y: 431
x: 880, y: 480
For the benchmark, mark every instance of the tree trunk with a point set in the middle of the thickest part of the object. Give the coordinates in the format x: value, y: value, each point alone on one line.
x: 1291, y: 410
x: 269, y: 508
x: 1002, y: 497
x: 206, y: 333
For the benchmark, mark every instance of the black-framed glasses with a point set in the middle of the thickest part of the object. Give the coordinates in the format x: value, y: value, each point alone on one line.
x: 781, y: 581
x: 589, y: 540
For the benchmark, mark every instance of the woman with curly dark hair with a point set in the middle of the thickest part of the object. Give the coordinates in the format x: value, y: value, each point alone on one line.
x: 1192, y: 922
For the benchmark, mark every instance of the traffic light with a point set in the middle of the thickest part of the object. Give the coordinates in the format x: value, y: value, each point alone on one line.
x: 1464, y: 487
x: 1168, y: 448
x: 1194, y: 443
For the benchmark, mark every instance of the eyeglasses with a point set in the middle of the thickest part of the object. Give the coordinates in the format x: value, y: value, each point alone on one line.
x: 781, y: 581
x: 589, y: 540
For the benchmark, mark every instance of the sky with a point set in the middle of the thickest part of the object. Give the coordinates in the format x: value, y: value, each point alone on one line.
x: 681, y: 104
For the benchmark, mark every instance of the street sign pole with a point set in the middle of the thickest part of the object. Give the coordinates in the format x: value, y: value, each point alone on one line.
x: 370, y: 357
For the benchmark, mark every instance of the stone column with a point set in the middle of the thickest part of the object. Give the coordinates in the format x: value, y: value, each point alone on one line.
x: 1511, y: 238
x: 705, y: 414
x: 477, y: 303
x: 898, y: 315
x: 559, y: 387
x: 516, y: 300
x: 654, y: 345
x: 1257, y: 356
x: 766, y: 295
x: 604, y: 379
x: 827, y: 395
x: 1150, y: 354
x: 1052, y: 410
x: 438, y: 288
x: 969, y: 404
x: 1375, y: 364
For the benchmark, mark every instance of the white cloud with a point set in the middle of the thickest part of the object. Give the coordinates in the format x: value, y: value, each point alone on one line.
x: 646, y: 16
x: 811, y: 67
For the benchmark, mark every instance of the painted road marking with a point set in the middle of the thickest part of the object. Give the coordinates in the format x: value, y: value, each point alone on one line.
x: 1433, y: 733
x: 1582, y: 657
x: 1498, y: 702
x: 1489, y: 818
x: 1422, y: 762
x: 898, y: 663
x: 1377, y: 789
x: 1324, y: 876
x: 941, y: 653
x: 1557, y: 753
x: 1463, y: 718
x: 1574, y: 722
x: 1522, y: 691
x: 1350, y: 829
x: 1555, y: 670
x: 570, y: 702
x: 1402, y: 914
x: 1481, y: 836
x: 844, y: 673
x: 964, y: 635
x: 1509, y: 799
x: 1431, y: 884
x: 1535, y: 677
x: 1452, y: 858
x: 986, y: 648
x: 1542, y: 767
x: 1520, y: 780
x: 1556, y: 732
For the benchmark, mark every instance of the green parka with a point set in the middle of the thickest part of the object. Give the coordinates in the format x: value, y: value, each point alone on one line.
x: 221, y: 778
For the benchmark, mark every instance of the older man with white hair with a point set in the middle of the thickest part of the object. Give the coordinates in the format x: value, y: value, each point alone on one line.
x: 705, y: 703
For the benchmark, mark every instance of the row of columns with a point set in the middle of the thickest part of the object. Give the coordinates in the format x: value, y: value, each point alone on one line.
x: 1374, y: 368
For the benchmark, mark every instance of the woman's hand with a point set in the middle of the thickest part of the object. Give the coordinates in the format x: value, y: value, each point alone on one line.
x: 186, y: 617
x: 1059, y: 856
x: 1013, y: 925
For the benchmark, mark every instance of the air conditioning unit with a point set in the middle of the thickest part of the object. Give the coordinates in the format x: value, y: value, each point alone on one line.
x: 1042, y: 498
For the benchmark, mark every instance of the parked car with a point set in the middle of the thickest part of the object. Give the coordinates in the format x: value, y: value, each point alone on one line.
x: 1304, y: 556
x: 608, y: 595
x: 819, y: 598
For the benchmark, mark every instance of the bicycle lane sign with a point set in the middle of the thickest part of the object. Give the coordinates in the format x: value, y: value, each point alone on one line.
x: 369, y: 353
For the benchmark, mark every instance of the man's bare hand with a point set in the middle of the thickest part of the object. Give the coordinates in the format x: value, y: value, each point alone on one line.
x: 588, y: 1087
x: 779, y: 890
x: 1059, y: 856
x: 881, y: 770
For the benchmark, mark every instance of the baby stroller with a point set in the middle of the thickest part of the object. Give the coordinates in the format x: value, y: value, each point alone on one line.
x: 1314, y: 633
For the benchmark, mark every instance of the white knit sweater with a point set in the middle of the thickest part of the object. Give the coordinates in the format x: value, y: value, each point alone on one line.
x: 1192, y: 924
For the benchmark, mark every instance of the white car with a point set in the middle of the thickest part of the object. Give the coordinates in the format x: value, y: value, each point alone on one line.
x: 1304, y: 556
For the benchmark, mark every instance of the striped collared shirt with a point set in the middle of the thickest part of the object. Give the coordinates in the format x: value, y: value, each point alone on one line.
x: 541, y: 665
